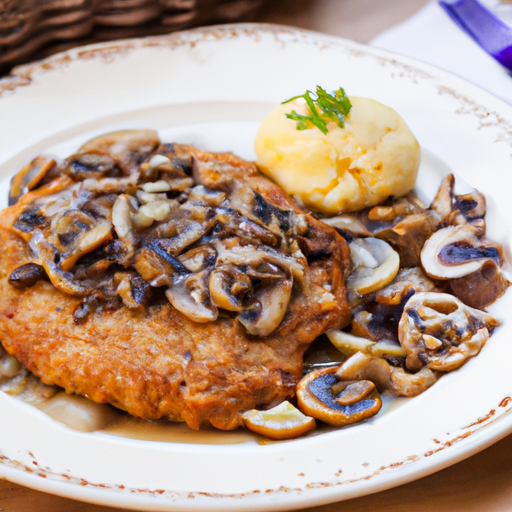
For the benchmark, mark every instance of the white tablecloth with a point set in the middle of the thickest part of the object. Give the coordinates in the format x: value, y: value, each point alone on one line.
x: 431, y: 36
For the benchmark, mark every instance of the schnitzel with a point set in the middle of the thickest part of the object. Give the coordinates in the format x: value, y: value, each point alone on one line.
x: 170, y: 282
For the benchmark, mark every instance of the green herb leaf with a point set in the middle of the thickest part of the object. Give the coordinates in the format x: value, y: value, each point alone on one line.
x: 324, y: 108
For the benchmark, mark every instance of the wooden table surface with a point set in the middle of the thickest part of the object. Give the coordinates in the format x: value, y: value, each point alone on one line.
x: 480, y: 483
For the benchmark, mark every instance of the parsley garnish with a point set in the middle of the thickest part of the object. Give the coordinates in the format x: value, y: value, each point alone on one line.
x: 324, y: 108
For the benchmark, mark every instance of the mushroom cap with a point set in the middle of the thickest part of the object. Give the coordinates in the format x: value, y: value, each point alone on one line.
x: 271, y: 303
x: 91, y: 164
x: 456, y: 251
x: 317, y: 397
x: 374, y: 265
x: 125, y: 146
x: 75, y: 233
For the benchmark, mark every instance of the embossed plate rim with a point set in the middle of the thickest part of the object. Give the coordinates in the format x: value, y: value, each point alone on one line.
x: 283, y: 475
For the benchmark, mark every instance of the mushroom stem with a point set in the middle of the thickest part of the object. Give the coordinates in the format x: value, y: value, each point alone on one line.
x: 393, y: 380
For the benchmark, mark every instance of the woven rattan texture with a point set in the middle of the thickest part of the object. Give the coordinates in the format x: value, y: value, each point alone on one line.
x: 28, y: 27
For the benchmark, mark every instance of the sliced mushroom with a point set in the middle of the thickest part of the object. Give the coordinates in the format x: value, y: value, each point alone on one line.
x: 132, y: 289
x: 60, y: 196
x: 459, y: 209
x: 349, y: 344
x: 276, y: 219
x: 211, y: 197
x: 228, y: 287
x: 374, y: 265
x: 128, y: 147
x: 443, y: 202
x: 189, y: 295
x: 179, y: 159
x: 250, y: 203
x: 471, y: 205
x: 29, y: 177
x: 412, y: 384
x: 216, y: 242
x: 126, y: 185
x: 393, y: 380
x: 193, y: 232
x: 75, y: 233
x: 230, y: 252
x: 457, y: 251
x: 62, y: 280
x: 440, y: 332
x: 349, y: 393
x: 187, y: 289
x: 158, y: 267
x: 93, y: 164
x: 199, y: 258
x: 30, y: 219
x: 154, y: 267
x: 405, y: 225
x: 378, y: 316
x: 101, y: 207
x: 270, y: 302
x: 320, y: 395
x: 239, y: 225
x: 100, y: 261
x: 264, y: 271
x: 27, y: 275
x: 194, y: 219
x: 73, y: 197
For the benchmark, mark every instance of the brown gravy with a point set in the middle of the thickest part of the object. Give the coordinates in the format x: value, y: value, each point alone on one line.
x: 135, y: 428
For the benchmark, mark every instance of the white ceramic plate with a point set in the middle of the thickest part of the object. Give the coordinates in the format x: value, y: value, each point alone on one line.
x: 212, y: 87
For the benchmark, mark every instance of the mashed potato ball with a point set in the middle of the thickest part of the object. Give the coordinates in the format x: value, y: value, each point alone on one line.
x: 372, y: 157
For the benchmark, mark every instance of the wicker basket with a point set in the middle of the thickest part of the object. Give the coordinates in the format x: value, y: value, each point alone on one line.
x: 28, y: 27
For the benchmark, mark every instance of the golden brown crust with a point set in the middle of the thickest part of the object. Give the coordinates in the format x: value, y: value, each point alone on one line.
x: 156, y: 363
